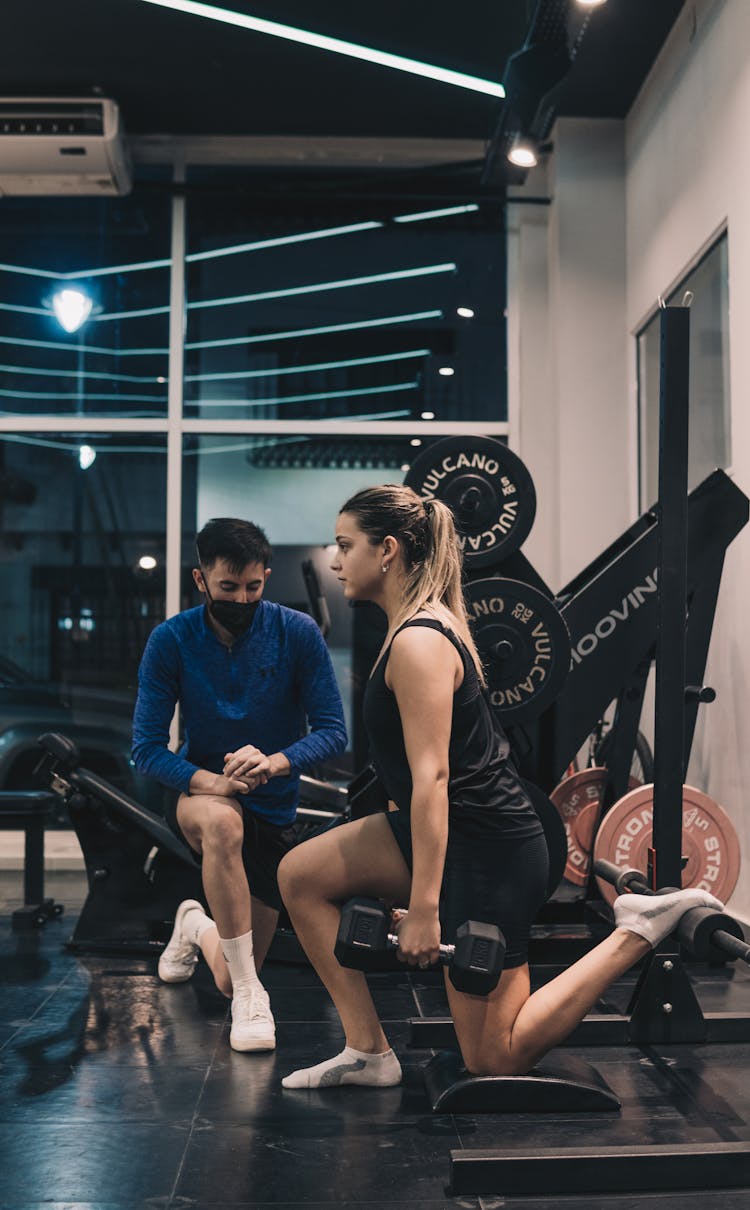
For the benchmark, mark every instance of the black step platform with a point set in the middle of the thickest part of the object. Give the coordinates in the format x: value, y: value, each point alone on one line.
x: 562, y: 1083
x: 558, y: 1171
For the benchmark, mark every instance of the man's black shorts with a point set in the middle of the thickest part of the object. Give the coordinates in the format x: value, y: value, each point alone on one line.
x: 263, y: 847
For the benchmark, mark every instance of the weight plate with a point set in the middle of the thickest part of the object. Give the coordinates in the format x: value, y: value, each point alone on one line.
x: 488, y: 489
x: 524, y: 645
x: 709, y: 841
x: 578, y: 800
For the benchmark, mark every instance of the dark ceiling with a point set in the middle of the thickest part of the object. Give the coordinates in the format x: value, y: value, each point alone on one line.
x: 180, y: 74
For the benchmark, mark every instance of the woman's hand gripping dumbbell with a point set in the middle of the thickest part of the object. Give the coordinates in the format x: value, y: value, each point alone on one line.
x: 365, y: 943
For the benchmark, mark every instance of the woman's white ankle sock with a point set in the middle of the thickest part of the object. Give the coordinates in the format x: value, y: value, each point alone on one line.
x: 349, y: 1067
x: 656, y: 916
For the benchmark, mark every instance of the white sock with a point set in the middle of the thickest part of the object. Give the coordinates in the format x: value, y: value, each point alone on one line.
x: 349, y: 1067
x: 238, y: 952
x: 195, y: 922
x: 656, y: 916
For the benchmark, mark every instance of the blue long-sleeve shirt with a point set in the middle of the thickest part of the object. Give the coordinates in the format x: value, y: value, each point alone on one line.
x: 276, y: 675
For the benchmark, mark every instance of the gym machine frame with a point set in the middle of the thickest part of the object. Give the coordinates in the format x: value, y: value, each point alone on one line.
x: 136, y: 867
x: 663, y: 1009
x: 684, y: 538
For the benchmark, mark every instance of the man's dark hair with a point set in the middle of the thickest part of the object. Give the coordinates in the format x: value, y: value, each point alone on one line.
x: 238, y: 542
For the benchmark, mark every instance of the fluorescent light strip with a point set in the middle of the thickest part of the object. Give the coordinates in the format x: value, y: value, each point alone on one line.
x: 17, y: 309
x: 27, y: 271
x: 290, y: 292
x: 34, y: 372
x: 238, y: 249
x: 64, y: 396
x: 239, y: 446
x: 321, y: 365
x: 260, y: 403
x: 280, y: 240
x: 73, y: 447
x: 351, y: 49
x: 269, y: 337
x: 428, y: 214
x: 75, y: 348
x: 165, y: 262
x: 327, y: 328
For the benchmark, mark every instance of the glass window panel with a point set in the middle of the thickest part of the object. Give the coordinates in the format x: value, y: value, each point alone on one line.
x: 294, y: 487
x: 116, y: 362
x: 310, y: 315
x: 83, y: 580
x: 710, y: 435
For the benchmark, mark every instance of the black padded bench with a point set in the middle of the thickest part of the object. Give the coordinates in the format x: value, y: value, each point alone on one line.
x: 29, y: 811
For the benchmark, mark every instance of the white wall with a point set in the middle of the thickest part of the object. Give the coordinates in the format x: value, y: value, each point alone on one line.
x: 568, y: 348
x: 688, y: 174
x: 631, y: 206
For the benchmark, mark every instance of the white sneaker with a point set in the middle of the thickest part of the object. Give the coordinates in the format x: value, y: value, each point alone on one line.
x: 178, y: 959
x: 253, y: 1025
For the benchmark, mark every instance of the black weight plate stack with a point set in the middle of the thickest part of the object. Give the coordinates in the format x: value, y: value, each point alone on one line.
x: 488, y: 489
x: 524, y: 645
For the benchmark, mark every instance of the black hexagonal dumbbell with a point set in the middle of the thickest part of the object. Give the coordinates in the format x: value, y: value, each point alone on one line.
x: 364, y: 943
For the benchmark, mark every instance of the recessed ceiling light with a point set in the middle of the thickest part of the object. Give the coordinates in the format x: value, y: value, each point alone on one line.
x: 428, y: 416
x: 446, y: 371
x: 465, y: 312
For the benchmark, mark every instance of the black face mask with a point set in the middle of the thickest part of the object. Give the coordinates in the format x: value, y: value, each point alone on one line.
x: 234, y: 616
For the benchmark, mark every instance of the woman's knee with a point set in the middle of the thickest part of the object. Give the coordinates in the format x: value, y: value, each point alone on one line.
x: 293, y: 875
x: 485, y: 1057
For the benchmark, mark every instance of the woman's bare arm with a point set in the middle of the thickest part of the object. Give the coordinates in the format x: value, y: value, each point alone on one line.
x: 422, y: 672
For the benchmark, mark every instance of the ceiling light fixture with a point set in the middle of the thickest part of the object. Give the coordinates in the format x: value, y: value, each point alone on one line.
x: 523, y: 153
x: 465, y: 312
x: 321, y: 42
x: 446, y: 371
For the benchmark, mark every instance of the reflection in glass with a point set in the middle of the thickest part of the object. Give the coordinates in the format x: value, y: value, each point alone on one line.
x: 84, y: 306
x: 293, y: 317
x: 79, y: 594
x: 710, y: 435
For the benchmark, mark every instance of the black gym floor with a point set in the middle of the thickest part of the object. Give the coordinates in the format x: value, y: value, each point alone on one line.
x: 117, y: 1091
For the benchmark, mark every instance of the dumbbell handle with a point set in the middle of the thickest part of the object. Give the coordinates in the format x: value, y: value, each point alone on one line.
x: 633, y: 880
x: 446, y: 951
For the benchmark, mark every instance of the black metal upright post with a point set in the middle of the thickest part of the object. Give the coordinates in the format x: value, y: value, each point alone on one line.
x: 672, y: 597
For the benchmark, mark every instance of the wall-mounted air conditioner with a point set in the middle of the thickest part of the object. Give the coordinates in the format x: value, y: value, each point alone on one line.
x: 62, y: 146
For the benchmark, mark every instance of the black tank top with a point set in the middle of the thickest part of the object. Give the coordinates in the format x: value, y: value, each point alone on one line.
x: 486, y: 799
